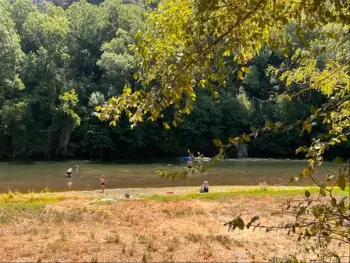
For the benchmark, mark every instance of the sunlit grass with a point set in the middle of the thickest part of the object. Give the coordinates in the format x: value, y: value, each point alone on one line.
x: 18, y: 205
x: 253, y: 191
x: 19, y: 198
x: 15, y: 205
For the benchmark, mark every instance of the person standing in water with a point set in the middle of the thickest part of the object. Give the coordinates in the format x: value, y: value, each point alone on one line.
x: 69, y: 173
x: 69, y: 177
x: 189, y: 162
x: 200, y: 159
x: 102, y: 181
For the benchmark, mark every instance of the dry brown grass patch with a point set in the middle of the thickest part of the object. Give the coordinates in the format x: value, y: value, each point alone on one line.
x: 149, y: 231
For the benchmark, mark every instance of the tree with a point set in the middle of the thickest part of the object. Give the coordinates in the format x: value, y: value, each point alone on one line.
x: 187, y: 44
x: 10, y: 52
x: 51, y: 50
x: 20, y: 11
x: 13, y: 116
x: 65, y: 120
x: 188, y: 36
x: 45, y: 73
x: 87, y: 33
x: 11, y: 111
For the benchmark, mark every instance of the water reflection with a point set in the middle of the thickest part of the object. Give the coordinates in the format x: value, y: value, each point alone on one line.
x: 69, y: 182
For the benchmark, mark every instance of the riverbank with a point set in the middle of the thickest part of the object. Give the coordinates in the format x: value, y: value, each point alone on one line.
x: 154, y: 226
x: 165, y: 193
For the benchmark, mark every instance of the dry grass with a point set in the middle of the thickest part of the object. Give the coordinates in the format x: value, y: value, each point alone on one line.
x: 74, y: 230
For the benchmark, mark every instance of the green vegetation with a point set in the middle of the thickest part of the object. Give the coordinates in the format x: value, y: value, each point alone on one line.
x: 14, y: 205
x: 231, y: 194
x: 187, y: 45
x: 30, y: 198
x: 271, y: 74
x: 55, y: 70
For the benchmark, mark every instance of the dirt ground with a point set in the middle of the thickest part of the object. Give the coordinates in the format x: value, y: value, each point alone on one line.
x: 78, y: 230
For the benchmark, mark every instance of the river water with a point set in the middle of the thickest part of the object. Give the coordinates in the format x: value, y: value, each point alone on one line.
x: 40, y: 175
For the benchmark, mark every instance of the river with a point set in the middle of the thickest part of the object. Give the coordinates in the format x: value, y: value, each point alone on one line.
x: 40, y: 175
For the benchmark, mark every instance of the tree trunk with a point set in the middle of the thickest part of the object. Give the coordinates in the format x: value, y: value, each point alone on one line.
x: 242, y: 150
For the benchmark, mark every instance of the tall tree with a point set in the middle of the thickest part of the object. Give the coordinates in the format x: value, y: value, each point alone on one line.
x: 12, y: 110
x: 189, y: 43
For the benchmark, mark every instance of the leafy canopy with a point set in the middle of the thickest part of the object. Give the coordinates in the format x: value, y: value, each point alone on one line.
x: 188, y: 44
x: 183, y: 39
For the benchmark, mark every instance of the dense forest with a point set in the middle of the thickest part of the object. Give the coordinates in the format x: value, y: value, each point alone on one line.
x: 59, y: 60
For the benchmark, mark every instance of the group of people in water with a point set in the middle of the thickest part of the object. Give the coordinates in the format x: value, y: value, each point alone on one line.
x: 191, y: 159
x: 204, y: 188
x: 69, y: 178
x: 70, y: 171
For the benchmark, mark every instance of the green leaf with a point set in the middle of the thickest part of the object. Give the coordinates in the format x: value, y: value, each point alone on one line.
x: 307, y: 194
x: 127, y: 90
x: 306, y: 172
x: 278, y: 124
x: 239, y: 223
x: 217, y: 142
x: 342, y: 182
x: 239, y: 75
x: 245, y: 69
x: 246, y: 138
x: 300, y: 149
x: 322, y: 192
x: 166, y: 126
x: 269, y: 124
x: 308, y: 127
x: 343, y: 138
x: 255, y: 218
x: 233, y: 140
x: 313, y: 110
x: 334, y: 201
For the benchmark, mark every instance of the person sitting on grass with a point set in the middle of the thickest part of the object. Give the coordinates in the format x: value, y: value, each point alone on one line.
x: 205, y: 187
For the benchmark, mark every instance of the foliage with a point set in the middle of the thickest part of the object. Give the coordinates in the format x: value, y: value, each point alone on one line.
x: 203, y: 36
x: 322, y: 221
x: 10, y: 52
x: 187, y: 45
x: 51, y: 50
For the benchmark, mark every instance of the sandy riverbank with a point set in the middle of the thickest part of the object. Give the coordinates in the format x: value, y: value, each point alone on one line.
x: 139, y: 193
